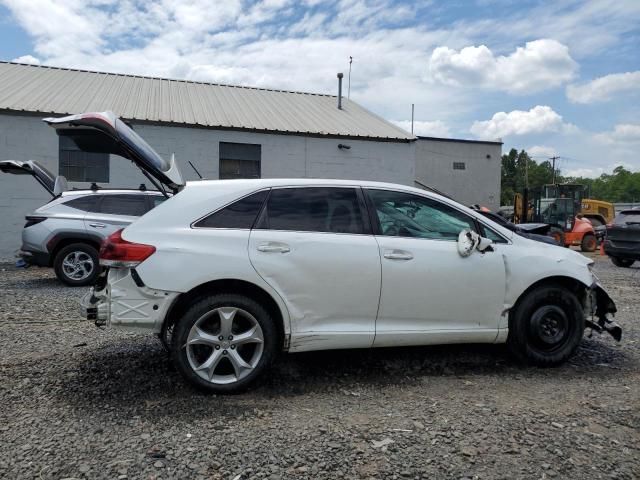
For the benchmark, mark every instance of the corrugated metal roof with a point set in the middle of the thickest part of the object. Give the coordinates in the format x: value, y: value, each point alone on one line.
x: 53, y: 90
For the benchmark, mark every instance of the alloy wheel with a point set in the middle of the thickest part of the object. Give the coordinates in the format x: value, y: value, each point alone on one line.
x: 77, y: 265
x: 225, y: 345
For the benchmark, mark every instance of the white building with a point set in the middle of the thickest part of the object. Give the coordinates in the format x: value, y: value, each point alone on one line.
x: 224, y: 131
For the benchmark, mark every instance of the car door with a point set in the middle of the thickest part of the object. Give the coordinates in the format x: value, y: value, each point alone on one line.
x: 314, y: 247
x: 115, y: 211
x: 430, y: 293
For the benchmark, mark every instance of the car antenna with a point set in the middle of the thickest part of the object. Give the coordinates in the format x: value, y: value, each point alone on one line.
x: 195, y: 169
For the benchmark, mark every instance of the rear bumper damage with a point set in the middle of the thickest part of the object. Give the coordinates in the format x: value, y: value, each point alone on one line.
x: 122, y: 301
x: 599, y: 304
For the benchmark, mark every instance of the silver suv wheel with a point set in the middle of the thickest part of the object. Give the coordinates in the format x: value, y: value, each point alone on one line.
x: 78, y: 265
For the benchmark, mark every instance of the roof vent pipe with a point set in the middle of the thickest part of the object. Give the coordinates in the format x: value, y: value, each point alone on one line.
x: 340, y: 75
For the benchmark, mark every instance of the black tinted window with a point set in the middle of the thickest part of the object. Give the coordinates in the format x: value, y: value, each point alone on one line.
x: 406, y: 215
x: 240, y: 214
x: 132, y: 205
x: 157, y: 200
x: 86, y: 204
x: 313, y: 209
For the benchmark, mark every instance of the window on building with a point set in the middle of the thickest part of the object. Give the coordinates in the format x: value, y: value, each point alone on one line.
x: 240, y: 214
x: 239, y: 160
x: 459, y: 166
x: 313, y: 209
x: 79, y: 166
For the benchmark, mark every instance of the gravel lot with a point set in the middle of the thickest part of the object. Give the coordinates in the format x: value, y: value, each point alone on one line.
x: 78, y: 402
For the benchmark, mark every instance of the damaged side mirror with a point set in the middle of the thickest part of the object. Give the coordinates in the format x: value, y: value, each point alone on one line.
x: 468, y: 241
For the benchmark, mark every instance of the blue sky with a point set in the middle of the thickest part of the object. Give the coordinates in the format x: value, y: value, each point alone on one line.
x: 555, y: 78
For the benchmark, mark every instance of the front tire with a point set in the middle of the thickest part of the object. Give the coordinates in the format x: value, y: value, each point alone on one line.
x: 546, y: 326
x: 224, y: 343
x: 77, y: 265
x: 589, y: 243
x: 622, y: 262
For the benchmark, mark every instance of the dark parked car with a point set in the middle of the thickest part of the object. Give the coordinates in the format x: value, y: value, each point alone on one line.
x: 622, y: 242
x: 527, y: 231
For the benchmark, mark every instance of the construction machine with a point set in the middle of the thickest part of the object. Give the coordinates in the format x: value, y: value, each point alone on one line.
x: 555, y: 210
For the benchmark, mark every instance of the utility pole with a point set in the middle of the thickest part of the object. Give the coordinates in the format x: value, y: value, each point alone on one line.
x: 349, y: 80
x: 553, y: 159
x: 412, y: 110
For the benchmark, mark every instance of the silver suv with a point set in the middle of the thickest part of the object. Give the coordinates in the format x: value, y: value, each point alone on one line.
x: 66, y: 232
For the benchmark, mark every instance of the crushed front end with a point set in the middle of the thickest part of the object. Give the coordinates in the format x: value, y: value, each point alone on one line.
x: 598, y: 306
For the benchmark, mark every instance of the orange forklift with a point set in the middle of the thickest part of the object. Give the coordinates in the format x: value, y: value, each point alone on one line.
x: 554, y: 210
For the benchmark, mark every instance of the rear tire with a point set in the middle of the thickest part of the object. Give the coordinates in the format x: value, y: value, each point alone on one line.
x: 224, y: 343
x: 589, y: 243
x: 77, y: 265
x: 546, y: 326
x: 622, y: 262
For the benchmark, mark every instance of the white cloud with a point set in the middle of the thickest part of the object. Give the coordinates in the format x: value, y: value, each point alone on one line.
x: 603, y: 88
x: 622, y: 134
x: 539, y: 65
x: 542, y: 151
x: 30, y: 59
x: 540, y: 118
x: 436, y: 128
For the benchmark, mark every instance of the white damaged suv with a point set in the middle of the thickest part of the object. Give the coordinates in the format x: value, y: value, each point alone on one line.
x: 230, y: 273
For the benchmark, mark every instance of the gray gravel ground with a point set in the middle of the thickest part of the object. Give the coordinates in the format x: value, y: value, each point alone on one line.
x: 78, y: 402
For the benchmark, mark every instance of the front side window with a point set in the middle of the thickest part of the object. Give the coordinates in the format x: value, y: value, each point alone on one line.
x: 131, y: 205
x: 240, y: 214
x: 79, y: 166
x: 406, y: 215
x: 313, y: 209
x: 239, y: 160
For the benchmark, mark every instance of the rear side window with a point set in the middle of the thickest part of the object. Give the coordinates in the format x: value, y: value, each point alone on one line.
x: 88, y: 203
x: 313, y: 209
x: 240, y: 214
x: 157, y: 200
x: 131, y: 205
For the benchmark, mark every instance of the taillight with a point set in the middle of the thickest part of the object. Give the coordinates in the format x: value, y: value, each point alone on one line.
x: 33, y: 221
x: 117, y: 252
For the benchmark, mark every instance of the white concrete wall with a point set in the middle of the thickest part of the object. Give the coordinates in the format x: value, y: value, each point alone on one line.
x: 478, y: 183
x: 27, y: 137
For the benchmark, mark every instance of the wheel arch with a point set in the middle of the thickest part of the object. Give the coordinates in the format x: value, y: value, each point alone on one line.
x: 574, y: 285
x: 230, y: 285
x: 59, y: 241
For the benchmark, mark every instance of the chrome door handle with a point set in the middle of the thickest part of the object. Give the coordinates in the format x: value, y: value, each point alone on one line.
x: 97, y: 225
x: 274, y: 247
x: 398, y: 255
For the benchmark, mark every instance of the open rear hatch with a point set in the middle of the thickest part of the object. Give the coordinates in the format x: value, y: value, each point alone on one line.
x: 52, y: 184
x: 104, y: 132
